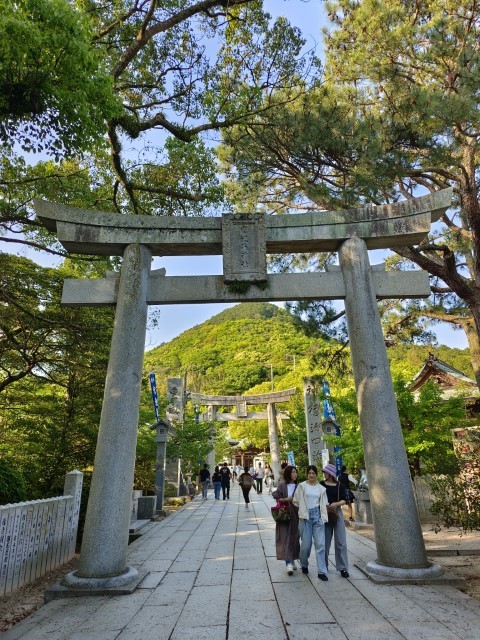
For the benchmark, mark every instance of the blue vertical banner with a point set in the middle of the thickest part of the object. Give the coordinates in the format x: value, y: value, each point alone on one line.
x: 328, y: 410
x: 153, y: 386
x: 197, y: 413
x: 325, y: 388
x: 291, y: 458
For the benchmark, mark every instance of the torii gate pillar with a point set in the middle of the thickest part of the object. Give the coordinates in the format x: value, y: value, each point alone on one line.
x: 103, y: 560
x: 398, y: 535
x: 273, y: 440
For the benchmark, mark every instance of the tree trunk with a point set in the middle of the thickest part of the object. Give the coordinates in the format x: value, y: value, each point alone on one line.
x: 472, y: 334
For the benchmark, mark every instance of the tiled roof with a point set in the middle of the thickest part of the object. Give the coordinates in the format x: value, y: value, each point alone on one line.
x: 434, y: 367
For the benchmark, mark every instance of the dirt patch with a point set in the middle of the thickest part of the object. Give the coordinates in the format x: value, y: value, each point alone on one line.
x: 21, y: 603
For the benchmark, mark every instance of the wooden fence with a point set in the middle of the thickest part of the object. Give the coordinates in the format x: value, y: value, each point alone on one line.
x: 39, y: 535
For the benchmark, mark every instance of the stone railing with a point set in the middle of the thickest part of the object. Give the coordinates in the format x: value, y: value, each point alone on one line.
x: 38, y: 536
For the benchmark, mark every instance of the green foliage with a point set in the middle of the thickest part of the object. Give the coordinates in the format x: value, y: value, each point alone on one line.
x: 52, y: 373
x: 192, y: 442
x: 394, y: 112
x: 55, y: 93
x: 248, y: 310
x: 426, y: 424
x: 12, y: 484
x: 451, y: 504
x: 145, y: 457
x: 457, y: 495
x: 152, y: 87
x: 231, y: 357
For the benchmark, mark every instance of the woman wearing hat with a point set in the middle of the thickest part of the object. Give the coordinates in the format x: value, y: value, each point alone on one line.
x: 336, y: 499
x: 311, y: 500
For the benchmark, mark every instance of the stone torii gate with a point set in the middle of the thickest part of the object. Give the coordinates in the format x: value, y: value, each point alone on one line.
x: 241, y: 404
x: 244, y: 240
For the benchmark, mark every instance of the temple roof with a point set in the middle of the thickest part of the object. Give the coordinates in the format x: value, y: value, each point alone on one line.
x: 447, y: 377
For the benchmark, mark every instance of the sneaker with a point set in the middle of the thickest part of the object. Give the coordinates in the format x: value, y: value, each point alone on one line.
x: 344, y: 573
x: 305, y: 570
x: 323, y: 577
x: 290, y: 569
x: 295, y: 566
x: 246, y: 508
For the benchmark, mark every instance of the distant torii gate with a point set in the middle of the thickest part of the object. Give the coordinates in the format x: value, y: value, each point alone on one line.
x: 241, y: 403
x: 244, y: 240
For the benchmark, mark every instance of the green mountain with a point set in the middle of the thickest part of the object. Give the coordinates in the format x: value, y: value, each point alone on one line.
x: 233, y: 351
x: 240, y: 348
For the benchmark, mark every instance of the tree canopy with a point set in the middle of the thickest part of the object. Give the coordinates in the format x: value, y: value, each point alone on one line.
x: 56, y: 92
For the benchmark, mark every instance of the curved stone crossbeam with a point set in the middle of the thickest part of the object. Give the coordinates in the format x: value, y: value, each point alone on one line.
x: 381, y: 227
x: 260, y: 398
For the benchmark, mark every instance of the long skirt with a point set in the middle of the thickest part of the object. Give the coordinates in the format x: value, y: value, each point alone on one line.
x: 287, y: 537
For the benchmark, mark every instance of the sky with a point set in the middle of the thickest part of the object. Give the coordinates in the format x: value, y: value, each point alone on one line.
x: 310, y: 17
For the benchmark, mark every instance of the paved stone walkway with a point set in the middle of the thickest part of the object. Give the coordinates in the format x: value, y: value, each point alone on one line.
x: 213, y: 576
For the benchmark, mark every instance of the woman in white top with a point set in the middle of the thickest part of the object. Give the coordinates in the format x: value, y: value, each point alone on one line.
x: 311, y: 500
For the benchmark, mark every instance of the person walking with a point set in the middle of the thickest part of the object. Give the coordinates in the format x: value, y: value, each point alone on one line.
x: 225, y: 475
x: 287, y: 539
x: 336, y: 499
x: 269, y: 478
x: 217, y: 482
x: 204, y: 480
x: 246, y: 482
x: 259, y: 477
x: 345, y: 480
x: 311, y: 500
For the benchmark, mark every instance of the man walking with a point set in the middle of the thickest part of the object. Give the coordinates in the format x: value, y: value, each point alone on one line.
x: 225, y: 474
x: 259, y: 477
x: 204, y: 480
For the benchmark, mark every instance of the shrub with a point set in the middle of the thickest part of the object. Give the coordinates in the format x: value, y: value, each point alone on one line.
x: 13, y: 487
x: 456, y: 502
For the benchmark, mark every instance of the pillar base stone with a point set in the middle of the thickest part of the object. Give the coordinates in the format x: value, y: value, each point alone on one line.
x: 384, y: 574
x: 73, y: 585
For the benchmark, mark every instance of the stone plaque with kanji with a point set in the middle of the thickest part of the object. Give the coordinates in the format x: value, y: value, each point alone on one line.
x: 244, y: 247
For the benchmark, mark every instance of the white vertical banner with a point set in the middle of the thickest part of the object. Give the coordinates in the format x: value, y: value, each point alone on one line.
x: 313, y: 419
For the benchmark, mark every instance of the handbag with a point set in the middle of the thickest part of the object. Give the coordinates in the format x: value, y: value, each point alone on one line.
x: 332, y: 516
x: 280, y: 513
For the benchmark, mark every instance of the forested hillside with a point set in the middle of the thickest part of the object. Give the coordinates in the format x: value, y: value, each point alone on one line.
x: 235, y: 350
